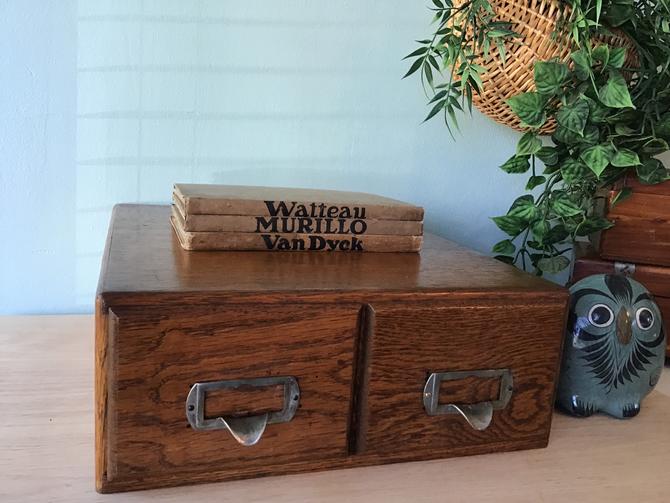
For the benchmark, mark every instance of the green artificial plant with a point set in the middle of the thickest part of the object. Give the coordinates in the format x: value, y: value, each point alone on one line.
x: 611, y: 119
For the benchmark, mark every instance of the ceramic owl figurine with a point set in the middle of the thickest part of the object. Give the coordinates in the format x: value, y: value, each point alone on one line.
x: 614, y: 347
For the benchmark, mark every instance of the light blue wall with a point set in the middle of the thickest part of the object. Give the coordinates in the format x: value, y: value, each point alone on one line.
x: 113, y: 101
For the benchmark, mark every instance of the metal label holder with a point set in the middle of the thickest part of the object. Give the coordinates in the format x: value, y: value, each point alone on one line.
x: 478, y: 415
x: 249, y: 429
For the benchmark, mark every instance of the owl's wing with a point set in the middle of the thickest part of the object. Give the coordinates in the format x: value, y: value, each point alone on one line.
x: 599, y: 357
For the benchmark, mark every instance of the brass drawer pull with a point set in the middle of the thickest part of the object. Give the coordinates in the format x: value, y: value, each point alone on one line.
x: 246, y: 430
x: 478, y: 415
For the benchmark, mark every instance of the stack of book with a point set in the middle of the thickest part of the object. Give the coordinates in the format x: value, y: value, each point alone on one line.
x: 228, y: 217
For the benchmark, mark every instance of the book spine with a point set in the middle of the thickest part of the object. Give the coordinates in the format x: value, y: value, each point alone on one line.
x: 296, y: 225
x: 313, y: 209
x: 294, y: 242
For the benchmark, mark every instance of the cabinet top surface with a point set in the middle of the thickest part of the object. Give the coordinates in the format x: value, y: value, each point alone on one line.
x: 143, y: 255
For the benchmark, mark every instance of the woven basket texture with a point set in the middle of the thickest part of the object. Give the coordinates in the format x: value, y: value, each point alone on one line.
x: 535, y: 21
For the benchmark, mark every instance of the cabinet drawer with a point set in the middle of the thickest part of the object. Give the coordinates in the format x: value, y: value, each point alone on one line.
x: 157, y: 358
x: 507, y: 355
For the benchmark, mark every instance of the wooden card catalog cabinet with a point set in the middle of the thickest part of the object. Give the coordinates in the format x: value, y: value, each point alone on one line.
x: 224, y: 365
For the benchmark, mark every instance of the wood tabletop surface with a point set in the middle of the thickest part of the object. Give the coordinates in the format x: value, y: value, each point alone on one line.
x: 46, y: 445
x: 144, y: 255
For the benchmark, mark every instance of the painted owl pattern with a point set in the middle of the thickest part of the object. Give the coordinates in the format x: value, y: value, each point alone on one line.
x: 611, y: 367
x: 614, y: 347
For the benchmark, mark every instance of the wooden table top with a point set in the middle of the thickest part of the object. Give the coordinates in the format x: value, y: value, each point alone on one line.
x: 144, y: 255
x: 46, y: 445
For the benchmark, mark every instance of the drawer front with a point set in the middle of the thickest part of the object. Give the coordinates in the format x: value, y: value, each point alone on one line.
x: 157, y: 358
x: 505, y: 355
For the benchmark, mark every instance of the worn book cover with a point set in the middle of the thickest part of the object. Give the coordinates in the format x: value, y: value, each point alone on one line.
x: 287, y: 202
x: 272, y: 241
x: 297, y: 225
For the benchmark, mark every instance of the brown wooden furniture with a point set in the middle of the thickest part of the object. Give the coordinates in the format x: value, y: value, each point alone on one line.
x: 655, y: 278
x: 361, y: 334
x: 642, y: 231
x: 46, y: 445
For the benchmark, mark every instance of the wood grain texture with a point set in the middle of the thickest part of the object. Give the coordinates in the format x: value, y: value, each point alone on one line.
x: 661, y: 189
x: 642, y: 225
x: 183, y: 318
x: 655, y: 278
x: 638, y: 240
x: 160, y: 355
x: 145, y: 258
x: 46, y: 445
x: 642, y: 205
x: 453, y: 339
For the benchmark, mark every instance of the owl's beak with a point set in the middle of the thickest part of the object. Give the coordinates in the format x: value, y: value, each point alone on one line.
x: 624, y: 329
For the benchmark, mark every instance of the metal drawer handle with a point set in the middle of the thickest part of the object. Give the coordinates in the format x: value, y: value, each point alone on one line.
x: 246, y: 430
x: 478, y: 415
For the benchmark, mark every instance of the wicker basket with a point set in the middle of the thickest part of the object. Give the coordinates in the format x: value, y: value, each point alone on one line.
x: 535, y: 21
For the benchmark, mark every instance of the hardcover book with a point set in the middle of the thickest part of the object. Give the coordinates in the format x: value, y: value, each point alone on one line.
x: 275, y: 241
x: 298, y: 225
x: 197, y: 199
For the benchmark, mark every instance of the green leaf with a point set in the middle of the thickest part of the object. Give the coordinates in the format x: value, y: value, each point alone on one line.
x: 549, y: 77
x: 418, y: 52
x: 505, y: 258
x: 573, y: 117
x: 504, y: 247
x: 565, y: 136
x: 593, y: 224
x: 428, y: 72
x: 598, y: 112
x: 556, y: 234
x: 415, y: 66
x: 663, y: 127
x: 534, y: 181
x: 624, y: 158
x: 564, y: 207
x: 624, y: 130
x: 553, y: 265
x: 516, y: 164
x: 627, y: 116
x: 548, y: 155
x: 539, y: 228
x: 524, y: 208
x: 617, y: 57
x: 529, y: 144
x: 655, y: 146
x: 582, y: 64
x: 510, y: 225
x: 438, y: 96
x: 619, y: 13
x: 598, y: 157
x: 601, y: 54
x: 591, y: 135
x: 529, y: 107
x: 652, y: 172
x: 574, y: 171
x: 438, y: 106
x: 615, y: 93
x: 621, y: 196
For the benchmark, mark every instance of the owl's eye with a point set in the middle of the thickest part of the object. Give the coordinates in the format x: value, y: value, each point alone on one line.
x: 645, y: 318
x: 601, y: 316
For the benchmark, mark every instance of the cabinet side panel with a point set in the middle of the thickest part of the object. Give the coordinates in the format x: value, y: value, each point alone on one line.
x: 101, y: 395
